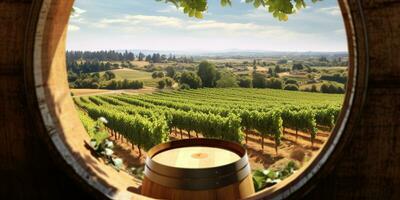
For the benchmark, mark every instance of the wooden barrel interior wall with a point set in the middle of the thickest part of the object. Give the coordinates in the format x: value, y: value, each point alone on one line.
x: 365, y: 164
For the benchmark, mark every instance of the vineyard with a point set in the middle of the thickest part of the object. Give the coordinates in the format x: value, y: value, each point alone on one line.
x: 228, y: 114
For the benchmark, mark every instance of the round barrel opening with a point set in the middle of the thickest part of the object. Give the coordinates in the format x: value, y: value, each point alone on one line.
x: 186, y: 168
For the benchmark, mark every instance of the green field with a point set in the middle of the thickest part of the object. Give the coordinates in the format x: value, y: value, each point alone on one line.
x: 131, y: 74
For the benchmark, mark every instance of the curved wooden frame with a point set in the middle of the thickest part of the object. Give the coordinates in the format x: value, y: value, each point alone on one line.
x: 46, y: 73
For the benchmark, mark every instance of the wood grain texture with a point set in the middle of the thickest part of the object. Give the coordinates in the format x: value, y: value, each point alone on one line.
x: 369, y: 165
x: 238, y: 190
x: 27, y: 170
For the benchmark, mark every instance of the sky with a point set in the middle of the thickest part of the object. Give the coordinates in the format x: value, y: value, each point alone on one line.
x: 152, y: 25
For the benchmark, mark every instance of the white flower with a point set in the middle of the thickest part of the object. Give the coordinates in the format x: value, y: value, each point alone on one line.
x: 104, y: 120
x: 93, y: 143
x: 117, y: 162
x: 109, y: 144
x: 108, y: 152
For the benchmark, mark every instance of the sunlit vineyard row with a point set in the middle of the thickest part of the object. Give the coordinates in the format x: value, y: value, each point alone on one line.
x: 229, y: 114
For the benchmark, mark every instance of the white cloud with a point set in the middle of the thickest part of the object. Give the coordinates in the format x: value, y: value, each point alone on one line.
x: 193, y: 25
x: 335, y: 11
x: 78, y: 12
x: 72, y: 28
x: 147, y: 20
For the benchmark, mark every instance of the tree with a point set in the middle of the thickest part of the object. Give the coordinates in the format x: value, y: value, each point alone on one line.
x: 169, y: 82
x: 160, y: 75
x: 157, y: 74
x: 297, y: 66
x: 227, y: 80
x: 141, y: 56
x: 283, y: 61
x: 259, y: 80
x: 184, y: 86
x: 271, y: 72
x: 291, y: 87
x: 274, y: 83
x: 279, y: 9
x: 291, y: 81
x: 314, y: 88
x: 331, y: 89
x: 177, y: 76
x: 191, y: 79
x: 148, y: 58
x: 207, y: 73
x: 108, y: 75
x: 161, y: 84
x: 277, y: 69
x: 170, y: 71
x: 154, y: 74
x: 246, y: 82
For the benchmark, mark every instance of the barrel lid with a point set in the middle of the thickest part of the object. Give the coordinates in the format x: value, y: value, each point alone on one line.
x: 170, y: 174
x: 196, y: 157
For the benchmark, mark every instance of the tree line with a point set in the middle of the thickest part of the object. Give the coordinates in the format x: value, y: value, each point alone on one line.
x: 112, y: 55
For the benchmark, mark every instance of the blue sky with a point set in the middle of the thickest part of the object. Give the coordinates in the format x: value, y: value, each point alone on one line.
x: 151, y: 25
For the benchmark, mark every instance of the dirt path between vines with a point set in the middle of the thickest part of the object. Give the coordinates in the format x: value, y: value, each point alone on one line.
x: 299, y: 150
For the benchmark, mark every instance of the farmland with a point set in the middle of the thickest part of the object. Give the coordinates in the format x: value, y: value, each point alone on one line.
x: 276, y: 126
x: 281, y: 109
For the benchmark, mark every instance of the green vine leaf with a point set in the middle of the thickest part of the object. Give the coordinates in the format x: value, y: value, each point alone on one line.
x: 280, y: 9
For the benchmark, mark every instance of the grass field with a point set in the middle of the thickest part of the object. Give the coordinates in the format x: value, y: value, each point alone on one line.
x: 130, y: 74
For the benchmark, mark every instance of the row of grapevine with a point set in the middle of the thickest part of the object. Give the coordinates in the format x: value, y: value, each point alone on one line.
x: 137, y: 129
x: 210, y: 125
x: 294, y: 117
x: 215, y: 126
x: 217, y: 113
x: 92, y: 127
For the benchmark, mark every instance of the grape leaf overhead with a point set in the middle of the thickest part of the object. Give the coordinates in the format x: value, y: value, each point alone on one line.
x: 280, y: 9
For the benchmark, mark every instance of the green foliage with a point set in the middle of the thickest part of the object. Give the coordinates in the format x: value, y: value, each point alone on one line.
x: 274, y: 83
x: 95, y: 129
x: 140, y: 130
x: 170, y: 71
x: 169, y: 82
x: 191, y: 79
x: 123, y: 84
x: 269, y: 177
x: 327, y: 116
x: 280, y: 9
x: 161, y: 84
x: 291, y: 87
x: 291, y: 81
x: 227, y: 80
x: 297, y: 66
x: 245, y: 82
x: 108, y: 75
x: 259, y: 80
x: 184, y: 86
x: 300, y: 119
x: 207, y: 73
x: 340, y: 78
x: 331, y: 89
x: 157, y: 74
x: 215, y: 113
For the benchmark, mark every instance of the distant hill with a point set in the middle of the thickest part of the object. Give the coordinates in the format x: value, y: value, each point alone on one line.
x: 243, y: 54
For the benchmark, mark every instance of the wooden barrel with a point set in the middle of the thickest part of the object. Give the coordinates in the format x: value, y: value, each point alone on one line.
x: 197, y: 169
